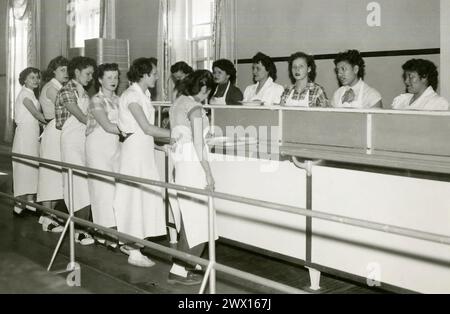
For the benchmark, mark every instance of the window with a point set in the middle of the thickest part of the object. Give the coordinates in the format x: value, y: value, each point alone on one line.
x: 18, y: 44
x: 200, y: 32
x: 85, y: 18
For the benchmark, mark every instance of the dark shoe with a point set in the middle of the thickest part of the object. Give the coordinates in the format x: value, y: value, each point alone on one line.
x: 191, y: 279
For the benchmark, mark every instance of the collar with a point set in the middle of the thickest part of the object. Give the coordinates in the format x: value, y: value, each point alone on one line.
x: 135, y: 86
x: 356, y: 87
x: 269, y: 82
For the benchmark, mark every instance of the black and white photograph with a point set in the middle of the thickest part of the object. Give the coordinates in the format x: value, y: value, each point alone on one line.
x: 240, y: 148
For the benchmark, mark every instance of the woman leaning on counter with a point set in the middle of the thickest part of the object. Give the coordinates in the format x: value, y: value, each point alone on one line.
x: 421, y: 80
x: 304, y: 92
x: 190, y: 156
x: 139, y: 209
x: 264, y: 75
x: 50, y: 188
x: 102, y: 144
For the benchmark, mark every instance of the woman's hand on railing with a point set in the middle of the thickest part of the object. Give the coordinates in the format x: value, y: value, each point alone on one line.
x: 210, y: 182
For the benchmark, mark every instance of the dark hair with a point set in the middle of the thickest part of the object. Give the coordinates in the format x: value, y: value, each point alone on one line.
x: 267, y: 63
x: 138, y: 68
x: 425, y: 69
x: 353, y: 57
x: 181, y: 66
x: 80, y: 63
x: 102, y: 68
x: 193, y: 83
x: 154, y: 60
x: 228, y: 67
x: 53, y: 66
x: 309, y: 63
x: 24, y: 74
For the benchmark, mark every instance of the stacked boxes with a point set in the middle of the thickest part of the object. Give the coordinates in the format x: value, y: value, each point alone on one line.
x: 111, y: 51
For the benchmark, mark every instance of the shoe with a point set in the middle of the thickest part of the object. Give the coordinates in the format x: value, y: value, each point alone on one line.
x: 137, y: 259
x: 84, y: 238
x: 49, y: 225
x: 18, y: 211
x: 125, y: 249
x: 190, y: 280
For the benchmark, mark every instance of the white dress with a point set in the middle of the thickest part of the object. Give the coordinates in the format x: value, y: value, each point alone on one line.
x: 73, y: 141
x: 188, y: 172
x: 50, y: 176
x: 102, y: 152
x: 26, y: 142
x: 269, y: 94
x: 139, y: 209
x: 429, y: 100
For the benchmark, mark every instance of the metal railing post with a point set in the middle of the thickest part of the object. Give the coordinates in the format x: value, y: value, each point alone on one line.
x: 212, y: 246
x: 69, y: 224
x: 72, y: 225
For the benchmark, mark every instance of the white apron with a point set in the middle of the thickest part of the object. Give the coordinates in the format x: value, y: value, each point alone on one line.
x: 50, y: 176
x: 26, y: 142
x: 193, y: 207
x: 297, y: 103
x: 220, y: 100
x: 139, y: 209
x: 73, y: 139
x: 102, y: 152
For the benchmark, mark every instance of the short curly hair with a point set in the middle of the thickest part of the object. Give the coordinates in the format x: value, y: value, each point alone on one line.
x: 102, y: 68
x: 138, y: 68
x: 228, y: 67
x: 24, y: 74
x: 309, y: 62
x: 353, y: 57
x: 54, y: 64
x: 192, y: 84
x: 267, y: 62
x: 425, y: 69
x: 181, y: 66
x: 80, y: 63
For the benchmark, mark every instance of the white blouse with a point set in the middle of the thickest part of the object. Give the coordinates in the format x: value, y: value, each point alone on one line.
x: 365, y: 96
x: 429, y: 100
x: 269, y: 94
x: 48, y: 107
x: 134, y: 94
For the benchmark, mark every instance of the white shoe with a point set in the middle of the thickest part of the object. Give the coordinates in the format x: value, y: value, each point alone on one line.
x: 137, y: 259
x: 50, y: 225
x: 84, y: 238
x: 18, y: 210
x: 125, y: 249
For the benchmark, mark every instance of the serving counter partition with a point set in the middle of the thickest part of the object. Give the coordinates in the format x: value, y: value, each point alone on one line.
x: 389, y: 167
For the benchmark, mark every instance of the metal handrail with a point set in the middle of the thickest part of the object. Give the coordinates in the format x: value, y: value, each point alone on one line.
x: 386, y: 228
x: 166, y: 250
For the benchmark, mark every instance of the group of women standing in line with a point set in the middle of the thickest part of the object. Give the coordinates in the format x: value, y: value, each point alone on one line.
x: 86, y: 131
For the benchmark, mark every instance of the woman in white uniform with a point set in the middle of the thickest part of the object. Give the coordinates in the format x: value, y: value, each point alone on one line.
x: 304, y: 92
x: 421, y: 80
x: 225, y: 77
x: 264, y: 75
x: 139, y: 209
x: 354, y: 92
x: 27, y: 116
x: 102, y: 144
x: 50, y: 188
x: 190, y: 157
x: 71, y: 108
